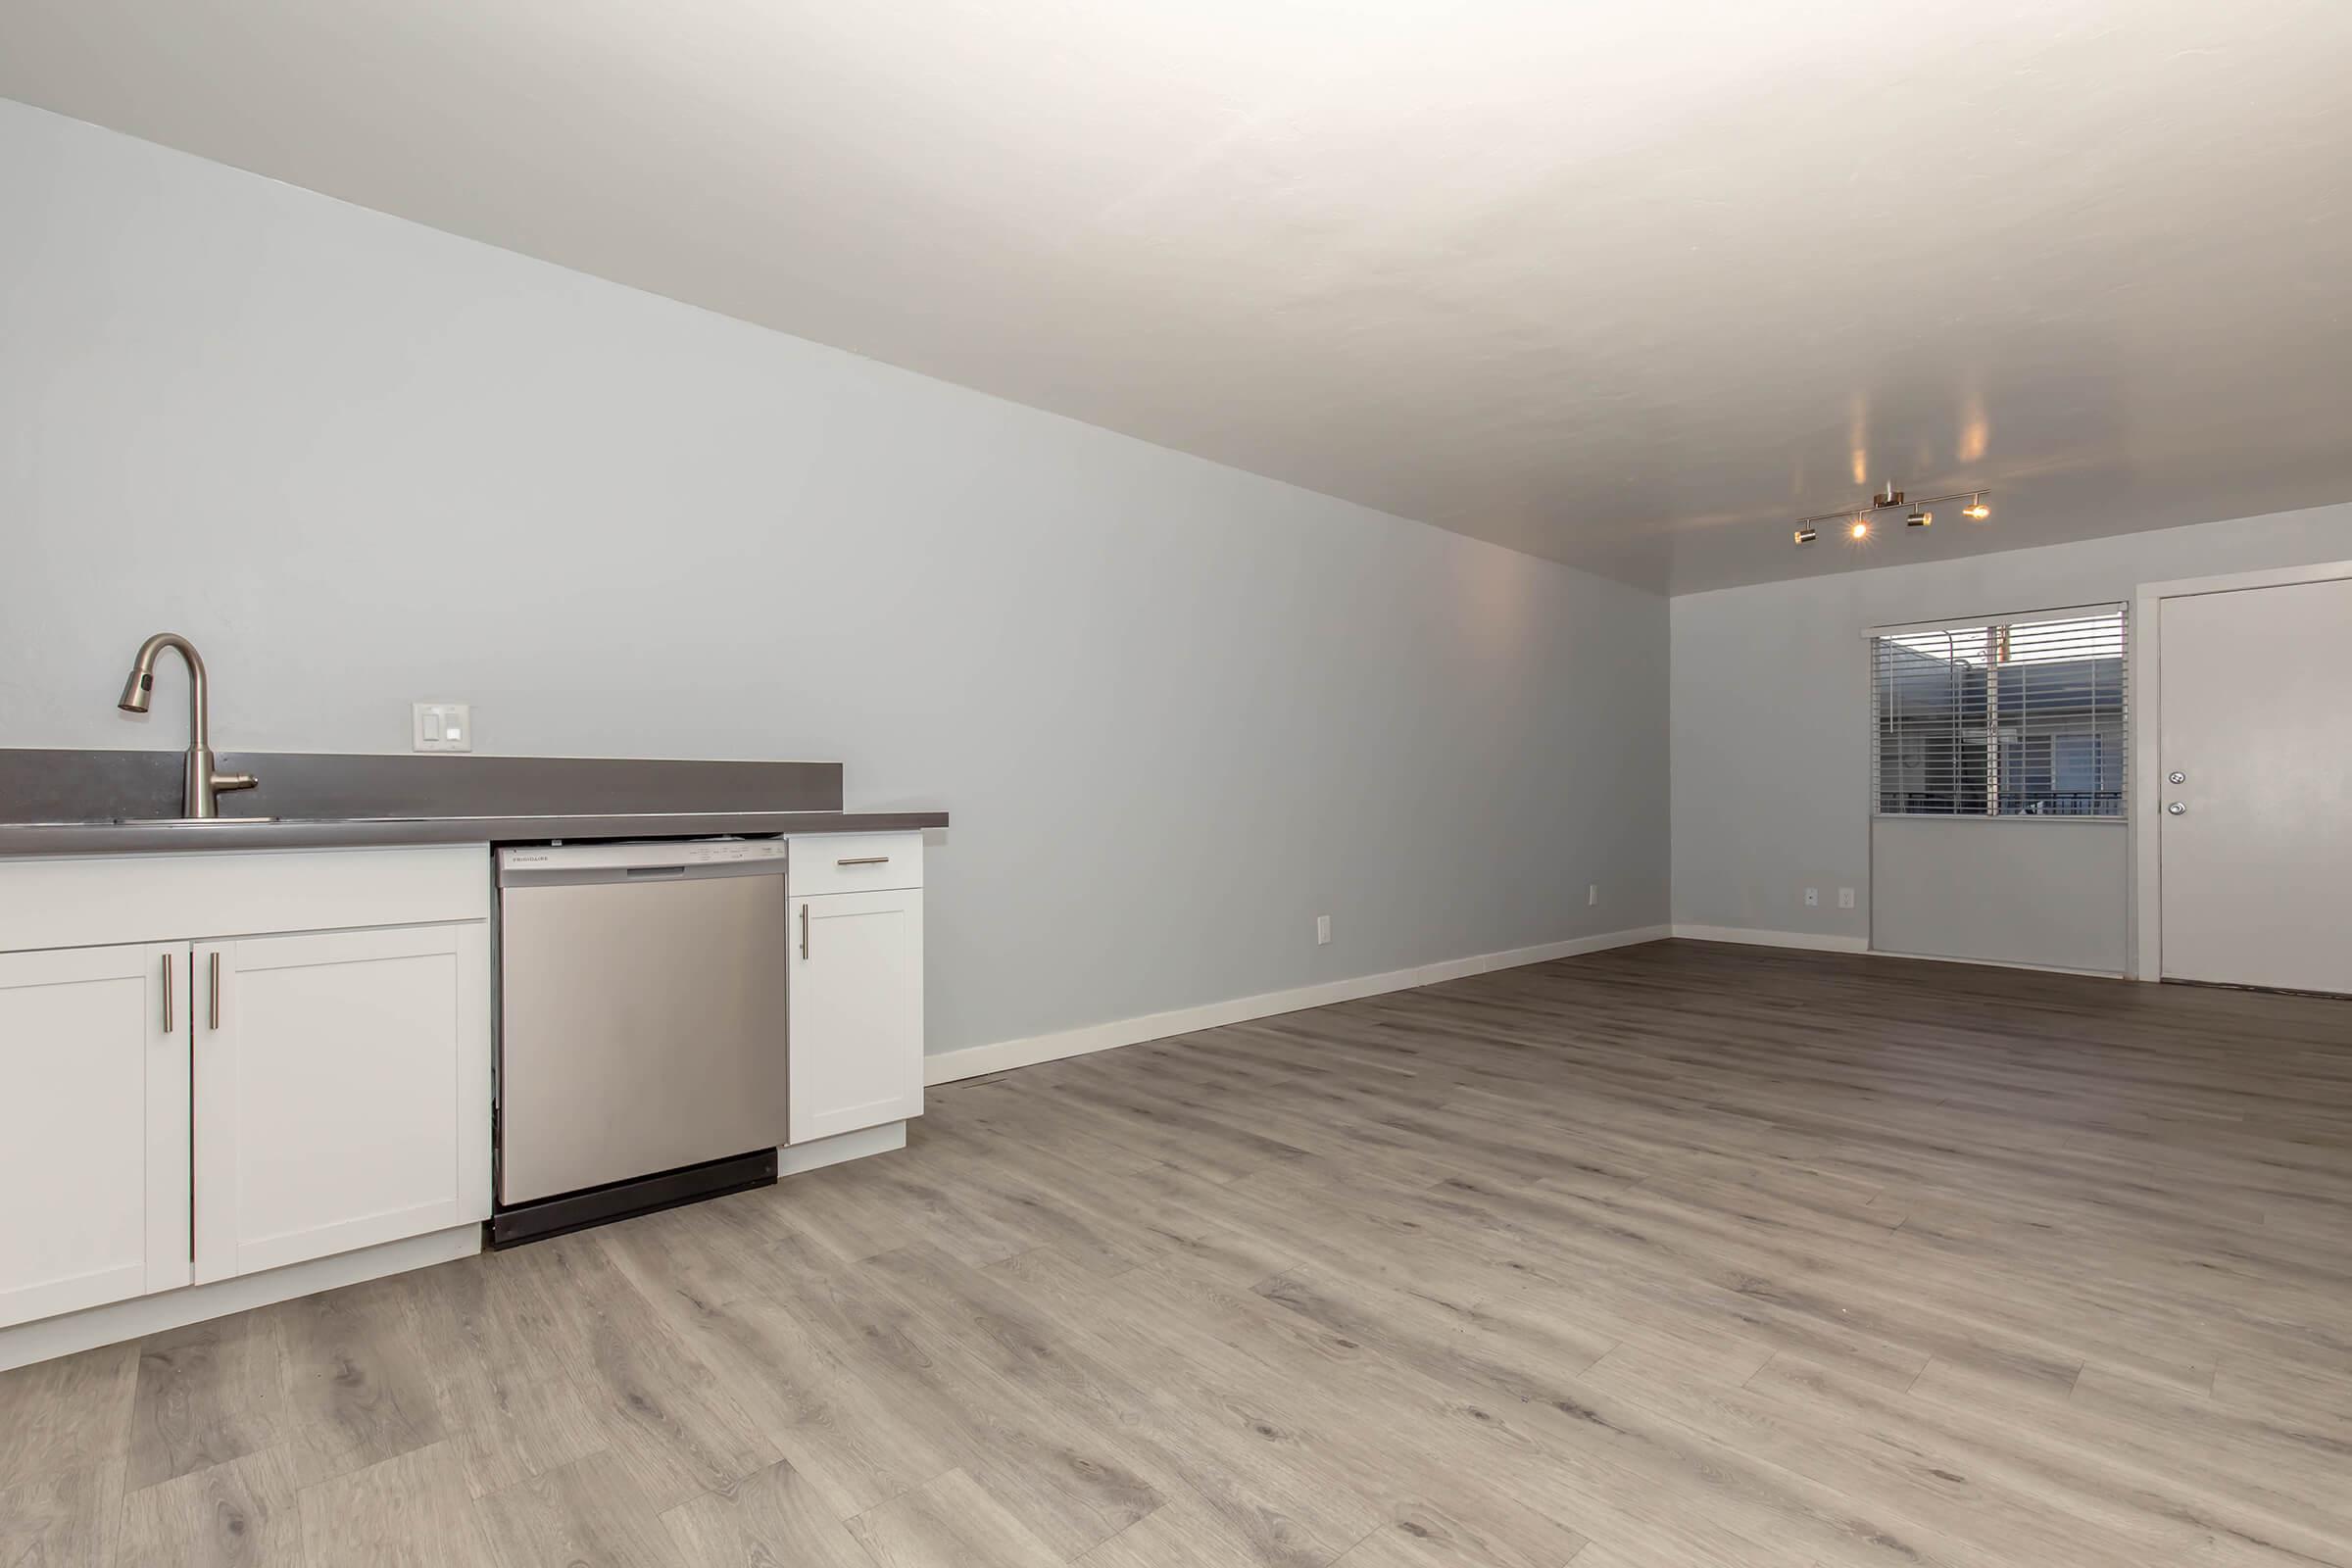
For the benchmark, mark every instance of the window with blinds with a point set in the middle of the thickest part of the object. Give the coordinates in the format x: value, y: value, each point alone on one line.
x: 2022, y: 717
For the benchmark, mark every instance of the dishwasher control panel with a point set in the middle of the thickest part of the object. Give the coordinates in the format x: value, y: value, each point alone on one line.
x: 639, y: 852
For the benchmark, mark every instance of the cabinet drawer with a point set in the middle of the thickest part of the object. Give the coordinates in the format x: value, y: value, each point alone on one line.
x: 853, y: 862
x: 68, y: 901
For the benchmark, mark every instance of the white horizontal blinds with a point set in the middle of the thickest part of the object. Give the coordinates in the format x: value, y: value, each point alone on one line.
x: 2023, y: 718
x: 2062, y: 718
x: 1932, y: 692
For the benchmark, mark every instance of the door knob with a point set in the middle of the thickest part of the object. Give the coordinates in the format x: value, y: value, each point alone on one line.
x: 2177, y: 808
x: 2176, y: 776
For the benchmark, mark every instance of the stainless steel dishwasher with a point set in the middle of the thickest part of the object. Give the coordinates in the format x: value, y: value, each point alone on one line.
x: 640, y: 1028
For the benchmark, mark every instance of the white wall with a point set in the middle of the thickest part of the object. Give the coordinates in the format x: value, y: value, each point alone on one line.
x: 1771, y: 716
x: 1177, y: 710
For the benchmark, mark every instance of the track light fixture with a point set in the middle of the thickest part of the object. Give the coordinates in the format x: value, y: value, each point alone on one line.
x: 1856, y: 520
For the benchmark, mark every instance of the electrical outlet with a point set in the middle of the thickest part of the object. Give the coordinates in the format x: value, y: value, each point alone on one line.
x: 1812, y: 898
x: 1322, y: 930
x: 1845, y: 898
x: 441, y: 726
x: 1591, y: 895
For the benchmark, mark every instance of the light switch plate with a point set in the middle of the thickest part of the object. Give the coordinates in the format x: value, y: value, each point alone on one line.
x: 441, y: 726
x: 1812, y: 898
x: 1845, y: 898
x: 1322, y: 930
x: 1591, y: 895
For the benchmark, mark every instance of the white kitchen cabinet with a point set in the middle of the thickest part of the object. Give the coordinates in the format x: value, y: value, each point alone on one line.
x: 178, y: 1107
x: 93, y: 1126
x: 856, y: 1011
x: 338, y: 1076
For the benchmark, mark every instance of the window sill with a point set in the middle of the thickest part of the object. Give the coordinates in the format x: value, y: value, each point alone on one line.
x: 1969, y: 817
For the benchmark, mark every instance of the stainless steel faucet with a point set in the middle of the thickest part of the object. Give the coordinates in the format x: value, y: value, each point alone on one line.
x: 201, y: 794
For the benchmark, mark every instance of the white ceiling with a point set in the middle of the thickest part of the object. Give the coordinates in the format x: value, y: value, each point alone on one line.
x: 1627, y: 285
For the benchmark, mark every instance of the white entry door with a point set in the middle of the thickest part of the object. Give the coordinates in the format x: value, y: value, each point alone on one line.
x: 2255, y: 766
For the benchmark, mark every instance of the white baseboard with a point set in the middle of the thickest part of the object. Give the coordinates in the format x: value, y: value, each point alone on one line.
x: 1818, y: 942
x: 1999, y: 963
x: 973, y: 1060
x: 142, y: 1315
x: 1810, y: 941
x: 793, y: 1158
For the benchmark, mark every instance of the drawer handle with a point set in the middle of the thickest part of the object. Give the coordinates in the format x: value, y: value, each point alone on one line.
x: 865, y: 859
x: 804, y: 931
x: 167, y: 993
x: 214, y: 990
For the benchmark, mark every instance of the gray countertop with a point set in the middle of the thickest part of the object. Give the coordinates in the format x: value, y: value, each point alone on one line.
x: 123, y: 803
x: 149, y: 837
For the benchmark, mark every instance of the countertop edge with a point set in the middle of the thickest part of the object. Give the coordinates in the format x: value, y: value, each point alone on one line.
x: 23, y: 839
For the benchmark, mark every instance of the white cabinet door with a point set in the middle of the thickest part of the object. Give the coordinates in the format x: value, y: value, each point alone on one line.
x: 857, y: 1003
x: 342, y: 1092
x: 93, y: 1126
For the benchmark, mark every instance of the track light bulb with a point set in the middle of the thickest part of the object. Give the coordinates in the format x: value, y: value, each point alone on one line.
x: 1920, y: 517
x: 1859, y: 528
x: 1805, y: 536
x: 1977, y: 509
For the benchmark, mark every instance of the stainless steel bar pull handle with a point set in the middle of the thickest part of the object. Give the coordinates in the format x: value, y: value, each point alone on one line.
x: 803, y: 930
x: 167, y: 993
x: 865, y: 859
x: 213, y: 988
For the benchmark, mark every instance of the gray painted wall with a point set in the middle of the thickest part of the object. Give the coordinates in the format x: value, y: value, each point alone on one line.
x: 1178, y: 711
x: 1771, y: 706
x: 2039, y: 889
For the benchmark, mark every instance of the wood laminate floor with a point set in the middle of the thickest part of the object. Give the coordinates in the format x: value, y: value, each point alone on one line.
x: 1675, y: 1255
